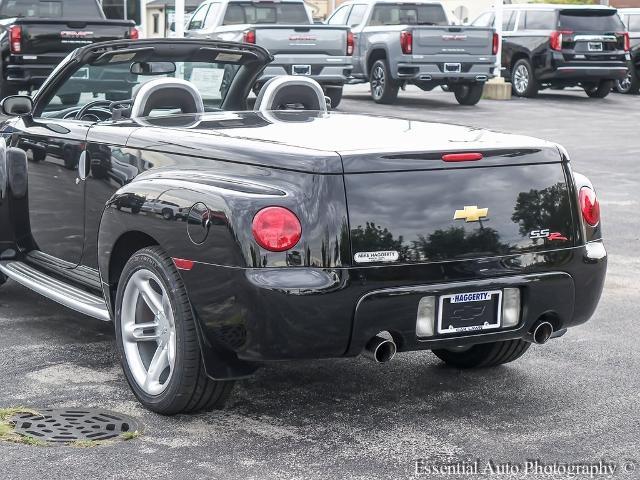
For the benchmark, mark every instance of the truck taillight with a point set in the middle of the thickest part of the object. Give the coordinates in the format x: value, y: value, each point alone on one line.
x: 134, y: 34
x: 249, y: 36
x: 350, y: 43
x: 496, y: 43
x: 556, y: 39
x: 15, y: 38
x: 276, y: 229
x: 589, y: 206
x: 406, y: 42
x: 626, y: 41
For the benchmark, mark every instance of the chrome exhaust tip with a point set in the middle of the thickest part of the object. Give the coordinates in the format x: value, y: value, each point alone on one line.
x: 481, y: 78
x: 542, y: 333
x: 380, y: 349
x: 426, y: 77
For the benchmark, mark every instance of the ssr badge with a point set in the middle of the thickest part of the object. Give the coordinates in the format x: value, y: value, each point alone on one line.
x: 548, y: 234
x: 471, y: 213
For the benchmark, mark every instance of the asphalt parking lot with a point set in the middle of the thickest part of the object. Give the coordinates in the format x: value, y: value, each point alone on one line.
x: 574, y: 400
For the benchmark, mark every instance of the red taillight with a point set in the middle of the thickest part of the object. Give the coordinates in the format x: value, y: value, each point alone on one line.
x: 496, y: 43
x: 183, y: 264
x: 590, y: 206
x: 276, y: 229
x: 406, y: 42
x: 134, y: 34
x: 249, y: 36
x: 556, y: 39
x: 350, y: 43
x: 15, y: 38
x: 462, y: 157
x: 627, y: 41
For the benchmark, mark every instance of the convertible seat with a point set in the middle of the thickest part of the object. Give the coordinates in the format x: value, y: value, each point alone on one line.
x: 166, y: 93
x: 291, y: 92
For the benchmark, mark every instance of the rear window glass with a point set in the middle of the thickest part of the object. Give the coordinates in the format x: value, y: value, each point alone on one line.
x: 591, y: 20
x: 50, y: 9
x: 407, y: 14
x: 266, y: 13
x: 534, y: 20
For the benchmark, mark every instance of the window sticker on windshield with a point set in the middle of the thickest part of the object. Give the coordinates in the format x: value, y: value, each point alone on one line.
x: 122, y: 57
x: 228, y: 57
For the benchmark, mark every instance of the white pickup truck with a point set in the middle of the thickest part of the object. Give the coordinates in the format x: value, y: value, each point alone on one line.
x: 399, y: 42
x: 286, y: 29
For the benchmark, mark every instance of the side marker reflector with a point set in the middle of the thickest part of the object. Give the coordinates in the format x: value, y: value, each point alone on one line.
x: 183, y: 264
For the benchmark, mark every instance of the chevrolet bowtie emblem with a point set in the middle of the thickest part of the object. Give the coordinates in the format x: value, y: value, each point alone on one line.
x: 471, y: 213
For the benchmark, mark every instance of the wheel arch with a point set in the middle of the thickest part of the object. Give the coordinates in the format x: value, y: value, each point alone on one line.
x: 519, y: 55
x: 377, y: 52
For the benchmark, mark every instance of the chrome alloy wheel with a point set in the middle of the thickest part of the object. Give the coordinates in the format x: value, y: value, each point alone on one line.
x: 521, y: 79
x: 148, y: 331
x: 377, y: 81
x: 624, y: 85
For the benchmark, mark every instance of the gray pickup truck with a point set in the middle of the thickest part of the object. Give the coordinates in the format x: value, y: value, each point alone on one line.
x: 286, y: 29
x: 400, y: 42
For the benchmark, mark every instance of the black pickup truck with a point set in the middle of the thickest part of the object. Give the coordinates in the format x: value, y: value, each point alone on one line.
x: 36, y: 35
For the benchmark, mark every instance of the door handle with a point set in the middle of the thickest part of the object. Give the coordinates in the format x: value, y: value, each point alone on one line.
x: 82, y: 166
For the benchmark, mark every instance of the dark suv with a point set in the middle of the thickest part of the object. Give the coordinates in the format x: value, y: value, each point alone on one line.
x: 560, y: 46
x: 631, y: 83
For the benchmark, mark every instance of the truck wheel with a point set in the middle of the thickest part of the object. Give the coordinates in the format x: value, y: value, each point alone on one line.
x: 523, y: 82
x: 629, y: 84
x: 483, y: 355
x: 157, y: 339
x: 335, y: 95
x: 599, y: 90
x: 7, y: 90
x: 468, y: 94
x: 384, y: 89
x: 70, y: 98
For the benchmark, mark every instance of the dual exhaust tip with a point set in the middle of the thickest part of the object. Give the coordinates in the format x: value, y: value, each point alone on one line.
x: 382, y: 348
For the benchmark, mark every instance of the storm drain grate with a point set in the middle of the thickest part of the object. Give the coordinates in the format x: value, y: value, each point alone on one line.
x: 66, y: 425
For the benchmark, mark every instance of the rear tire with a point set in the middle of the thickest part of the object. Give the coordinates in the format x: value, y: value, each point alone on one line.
x: 335, y: 95
x: 164, y: 369
x: 630, y: 84
x: 468, y: 94
x: 484, y: 355
x: 599, y: 90
x: 384, y: 89
x: 70, y: 99
x: 523, y: 81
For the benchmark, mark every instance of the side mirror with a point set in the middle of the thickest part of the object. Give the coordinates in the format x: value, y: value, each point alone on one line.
x: 17, y: 105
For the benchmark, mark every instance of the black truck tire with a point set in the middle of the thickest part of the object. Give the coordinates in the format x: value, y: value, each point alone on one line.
x: 630, y: 84
x: 484, y: 355
x: 188, y: 388
x: 600, y: 89
x: 69, y: 98
x: 523, y: 80
x: 384, y: 89
x: 335, y: 95
x: 7, y: 90
x: 468, y: 94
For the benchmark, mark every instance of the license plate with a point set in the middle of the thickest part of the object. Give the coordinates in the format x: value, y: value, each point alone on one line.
x: 594, y: 46
x: 452, y: 67
x: 470, y: 311
x: 301, y: 70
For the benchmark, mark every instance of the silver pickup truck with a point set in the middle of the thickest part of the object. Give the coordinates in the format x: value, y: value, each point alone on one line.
x: 415, y: 42
x: 285, y: 28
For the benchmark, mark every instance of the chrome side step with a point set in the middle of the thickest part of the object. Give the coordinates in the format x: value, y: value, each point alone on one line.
x: 56, y: 290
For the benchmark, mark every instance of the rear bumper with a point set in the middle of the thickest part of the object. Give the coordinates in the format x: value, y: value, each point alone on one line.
x: 31, y: 70
x: 276, y: 314
x: 473, y: 69
x: 324, y: 69
x: 557, y: 68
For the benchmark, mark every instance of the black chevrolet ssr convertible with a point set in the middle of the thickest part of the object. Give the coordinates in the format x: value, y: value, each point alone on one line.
x: 218, y: 237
